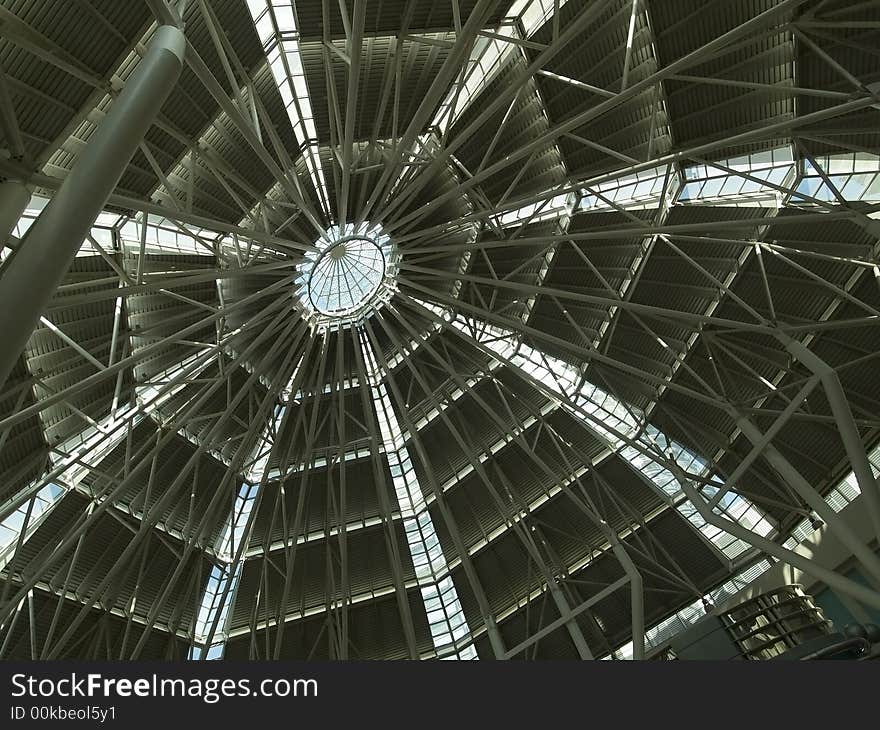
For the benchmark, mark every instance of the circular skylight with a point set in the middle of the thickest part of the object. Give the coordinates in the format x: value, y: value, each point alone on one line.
x: 348, y: 275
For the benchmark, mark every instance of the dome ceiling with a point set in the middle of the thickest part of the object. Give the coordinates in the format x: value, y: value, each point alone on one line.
x: 434, y: 330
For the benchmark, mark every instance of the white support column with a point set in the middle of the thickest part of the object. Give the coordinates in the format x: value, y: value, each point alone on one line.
x: 39, y: 264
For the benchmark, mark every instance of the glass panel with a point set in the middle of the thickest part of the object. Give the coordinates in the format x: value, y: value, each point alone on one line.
x: 710, y: 184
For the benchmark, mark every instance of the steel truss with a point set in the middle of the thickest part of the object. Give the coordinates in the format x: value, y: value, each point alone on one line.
x: 260, y: 411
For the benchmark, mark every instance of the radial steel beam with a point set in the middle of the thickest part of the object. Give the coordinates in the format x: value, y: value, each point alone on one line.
x: 447, y: 73
x: 354, y: 43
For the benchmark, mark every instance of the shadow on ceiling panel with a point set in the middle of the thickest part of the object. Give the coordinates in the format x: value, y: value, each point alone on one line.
x: 190, y: 107
x: 637, y: 128
x: 375, y: 632
x: 196, y: 506
x: 798, y: 282
x: 432, y: 366
x: 310, y: 502
x: 274, y: 340
x: 94, y: 35
x: 682, y: 277
x: 424, y: 185
x: 314, y: 428
x: 368, y: 162
x: 701, y: 112
x: 557, y: 645
x: 662, y: 595
x: 594, y: 267
x: 395, y: 76
x: 220, y: 420
x: 24, y: 454
x: 638, y: 354
x: 523, y: 478
x: 852, y: 350
x: 511, y: 265
x: 813, y: 446
x: 310, y: 585
x: 506, y: 572
x: 101, y: 636
x: 57, y: 365
x: 847, y: 32
x: 407, y: 320
x: 516, y: 479
x: 700, y: 425
x: 475, y: 423
x: 567, y: 535
x: 523, y: 123
x: 763, y: 486
x: 153, y: 316
x: 229, y: 177
x: 98, y: 558
x: 43, y: 98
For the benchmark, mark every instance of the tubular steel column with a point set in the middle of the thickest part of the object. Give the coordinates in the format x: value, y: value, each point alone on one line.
x: 846, y: 425
x: 14, y: 197
x: 47, y: 250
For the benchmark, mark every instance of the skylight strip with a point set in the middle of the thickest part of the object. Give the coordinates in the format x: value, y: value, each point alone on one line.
x: 550, y: 209
x: 533, y: 13
x: 566, y: 380
x: 843, y: 494
x: 220, y: 592
x: 446, y: 619
x: 164, y: 237
x: 101, y: 231
x: 219, y: 595
x: 593, y: 399
x: 88, y: 447
x: 39, y: 506
x: 856, y: 176
x: 641, y: 190
x: 275, y: 22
